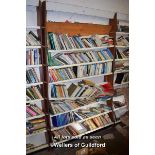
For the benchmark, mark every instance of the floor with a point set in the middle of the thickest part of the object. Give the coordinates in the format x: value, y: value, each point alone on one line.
x: 117, y: 146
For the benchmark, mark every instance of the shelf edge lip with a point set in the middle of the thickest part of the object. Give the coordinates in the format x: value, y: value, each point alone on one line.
x: 34, y: 117
x: 35, y: 46
x: 123, y: 71
x: 116, y: 109
x: 124, y: 59
x: 80, y: 49
x: 122, y: 84
x: 121, y: 46
x: 125, y: 33
x: 29, y: 66
x: 79, y: 64
x: 37, y: 100
x: 34, y: 134
x: 33, y: 27
x: 34, y: 84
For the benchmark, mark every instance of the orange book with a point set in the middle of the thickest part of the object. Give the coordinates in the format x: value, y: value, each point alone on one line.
x: 53, y: 75
x: 95, y: 120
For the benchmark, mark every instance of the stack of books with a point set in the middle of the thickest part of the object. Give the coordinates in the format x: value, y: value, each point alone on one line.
x: 79, y: 57
x: 35, y: 125
x: 97, y: 122
x: 121, y: 65
x: 121, y: 78
x: 122, y: 54
x: 91, y: 111
x: 122, y: 41
x: 32, y: 57
x: 33, y: 75
x: 33, y: 93
x: 79, y: 71
x: 76, y: 129
x: 64, y: 119
x: 65, y: 42
x: 74, y: 90
x: 32, y: 39
x: 33, y: 110
x: 57, y: 107
x: 119, y: 101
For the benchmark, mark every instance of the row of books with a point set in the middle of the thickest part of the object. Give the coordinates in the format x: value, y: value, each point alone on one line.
x: 33, y: 75
x: 35, y: 125
x: 79, y: 71
x: 91, y: 111
x: 123, y: 28
x: 121, y: 78
x: 57, y: 107
x: 33, y: 110
x: 122, y: 54
x: 122, y: 41
x: 121, y: 65
x: 65, y: 42
x: 33, y: 93
x: 74, y: 90
x: 33, y: 57
x: 32, y: 39
x: 84, y: 88
x: 76, y: 129
x: 69, y: 117
x: 79, y: 57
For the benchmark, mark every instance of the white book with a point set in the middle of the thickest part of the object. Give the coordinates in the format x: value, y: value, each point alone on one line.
x: 70, y: 42
x: 98, y: 40
x: 109, y: 66
x: 92, y: 54
x: 71, y: 39
x: 76, y: 91
x: 57, y: 47
x: 62, y: 42
x: 74, y: 57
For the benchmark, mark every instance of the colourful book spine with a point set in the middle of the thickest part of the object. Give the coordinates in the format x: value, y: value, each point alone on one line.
x: 30, y: 111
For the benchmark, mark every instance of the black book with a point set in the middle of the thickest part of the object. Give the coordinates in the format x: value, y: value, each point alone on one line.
x: 34, y: 36
x: 75, y: 70
x: 119, y: 78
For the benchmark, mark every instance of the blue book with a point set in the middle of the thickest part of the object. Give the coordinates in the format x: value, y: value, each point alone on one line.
x: 102, y: 52
x: 31, y: 76
x: 91, y: 41
x: 104, y: 71
x: 53, y: 91
x: 62, y: 74
x: 96, y: 55
x: 109, y: 53
x: 95, y: 67
x: 51, y: 40
x: 60, y: 120
x: 78, y: 41
x: 36, y: 56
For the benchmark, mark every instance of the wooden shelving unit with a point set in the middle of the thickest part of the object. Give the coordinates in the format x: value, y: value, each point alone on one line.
x: 82, y: 29
x: 115, y: 22
x: 38, y: 29
x: 71, y: 29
